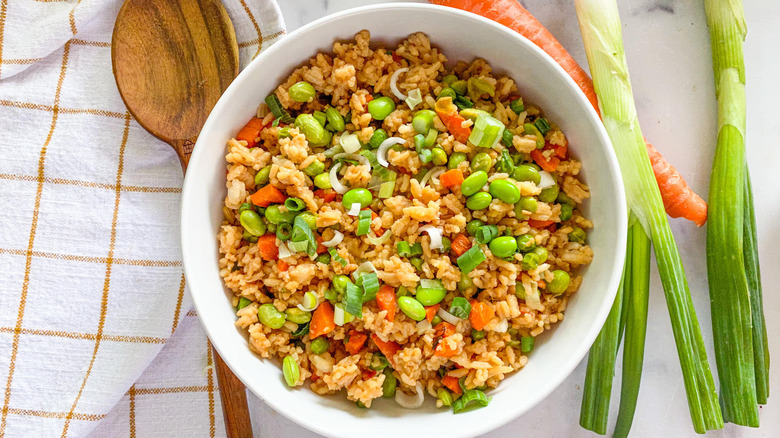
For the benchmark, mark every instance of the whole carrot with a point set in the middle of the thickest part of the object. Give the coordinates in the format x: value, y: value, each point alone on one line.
x: 679, y: 199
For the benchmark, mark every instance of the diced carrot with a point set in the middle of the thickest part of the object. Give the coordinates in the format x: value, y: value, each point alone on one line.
x: 452, y: 384
x: 444, y: 349
x: 326, y: 195
x: 268, y: 195
x: 533, y: 223
x: 250, y: 132
x: 430, y: 311
x: 322, y: 321
x: 548, y: 165
x: 367, y: 374
x: 460, y: 244
x: 320, y: 247
x: 444, y: 329
x: 386, y: 300
x: 355, y: 342
x: 454, y: 124
x: 562, y: 152
x: 266, y: 245
x: 451, y: 178
x: 389, y: 349
x: 282, y: 265
x: 481, y: 314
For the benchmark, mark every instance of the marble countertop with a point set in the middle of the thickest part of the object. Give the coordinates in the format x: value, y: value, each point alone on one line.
x: 669, y: 58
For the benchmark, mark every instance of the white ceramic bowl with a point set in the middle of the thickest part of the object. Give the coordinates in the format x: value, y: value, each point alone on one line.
x: 462, y: 36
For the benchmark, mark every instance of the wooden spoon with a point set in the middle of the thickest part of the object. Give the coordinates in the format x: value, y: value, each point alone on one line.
x: 172, y: 61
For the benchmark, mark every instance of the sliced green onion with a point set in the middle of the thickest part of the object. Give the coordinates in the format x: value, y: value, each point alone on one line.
x: 414, y: 98
x: 463, y: 103
x: 378, y: 362
x: 431, y: 285
x: 430, y: 138
x: 294, y: 204
x: 403, y: 249
x: 542, y: 125
x: 387, y: 187
x: 340, y: 316
x: 370, y: 285
x: 320, y: 117
x: 353, y: 300
x: 416, y: 249
x: 372, y: 239
x: 531, y: 129
x: 335, y: 150
x: 277, y: 110
x: 335, y: 255
x: 301, y: 246
x: 243, y: 302
x: 471, y: 259
x: 302, y: 233
x: 364, y: 222
x: 471, y: 399
x: 377, y: 138
x: 303, y: 330
x: 477, y: 86
x: 526, y: 344
x: 460, y: 307
x: 487, y: 131
x: 283, y: 231
x: 517, y: 105
x: 425, y: 155
x: 507, y: 138
x: 486, y: 233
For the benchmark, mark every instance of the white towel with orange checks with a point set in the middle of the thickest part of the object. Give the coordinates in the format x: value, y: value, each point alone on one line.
x: 91, y: 283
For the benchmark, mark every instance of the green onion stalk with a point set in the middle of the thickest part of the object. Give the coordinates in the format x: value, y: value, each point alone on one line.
x: 741, y: 350
x: 601, y: 32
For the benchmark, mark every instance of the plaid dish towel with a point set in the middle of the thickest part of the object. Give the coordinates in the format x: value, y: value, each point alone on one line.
x: 92, y: 286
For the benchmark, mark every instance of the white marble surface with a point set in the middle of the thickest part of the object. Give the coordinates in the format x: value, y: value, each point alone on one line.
x: 668, y: 53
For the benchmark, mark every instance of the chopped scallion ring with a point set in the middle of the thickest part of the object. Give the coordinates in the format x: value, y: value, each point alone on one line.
x: 471, y: 259
x: 364, y: 222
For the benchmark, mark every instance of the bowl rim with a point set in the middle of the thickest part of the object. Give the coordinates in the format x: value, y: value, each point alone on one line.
x: 498, y: 418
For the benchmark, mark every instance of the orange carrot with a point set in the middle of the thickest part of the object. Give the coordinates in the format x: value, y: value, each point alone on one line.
x: 282, y: 265
x: 533, y: 223
x: 320, y: 247
x: 268, y: 195
x: 430, y: 311
x: 448, y: 114
x: 386, y: 300
x: 452, y: 383
x: 355, y: 342
x: 460, y: 244
x: 389, y: 349
x: 546, y: 164
x: 444, y: 329
x: 250, y: 132
x: 451, y: 178
x: 679, y: 199
x: 322, y: 321
x: 481, y: 314
x: 266, y: 245
x: 326, y: 195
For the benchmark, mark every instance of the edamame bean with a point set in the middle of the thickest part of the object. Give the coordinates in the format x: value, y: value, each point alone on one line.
x: 563, y: 198
x: 340, y: 283
x: 244, y: 206
x: 473, y: 226
x: 577, y: 235
x: 541, y: 252
x: 357, y: 196
x: 566, y: 212
x: 455, y: 159
x: 252, y: 222
x: 275, y: 216
x: 248, y: 237
x: 530, y: 261
x: 263, y: 176
x: 320, y: 117
x: 310, y: 219
x: 526, y: 242
x: 429, y: 297
x: 416, y: 262
x: 465, y: 282
x: 412, y: 308
x: 479, y: 201
x: 390, y: 384
x: 549, y: 194
x: 381, y: 107
x: 423, y: 121
x: 525, y: 172
x: 335, y: 120
x: 481, y: 161
x: 459, y: 87
x: 319, y: 345
x: 559, y: 283
x: 297, y: 315
x: 315, y: 133
x: 473, y: 183
x: 503, y: 246
x: 291, y: 371
x: 449, y: 79
x: 526, y: 203
x: 439, y: 156
x: 322, y: 181
x: 447, y: 92
x: 302, y: 91
x: 505, y: 191
x: 379, y: 136
x: 315, y: 168
x: 323, y: 258
x: 270, y: 316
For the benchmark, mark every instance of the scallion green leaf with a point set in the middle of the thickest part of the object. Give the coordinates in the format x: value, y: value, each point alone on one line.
x: 370, y: 285
x: 471, y: 399
x: 353, y: 300
x: 486, y: 233
x: 471, y: 259
x: 277, y: 109
x: 460, y: 307
x: 364, y: 222
x: 335, y: 255
x: 487, y: 131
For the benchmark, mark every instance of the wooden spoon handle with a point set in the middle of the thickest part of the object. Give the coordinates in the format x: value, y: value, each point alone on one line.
x: 183, y: 149
x: 234, y: 405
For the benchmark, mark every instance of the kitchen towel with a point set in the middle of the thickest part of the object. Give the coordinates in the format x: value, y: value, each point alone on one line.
x: 91, y: 282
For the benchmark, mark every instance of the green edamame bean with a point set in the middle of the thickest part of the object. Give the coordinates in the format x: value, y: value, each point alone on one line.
x: 379, y: 136
x: 320, y: 117
x: 429, y: 297
x: 275, y: 215
x: 525, y: 172
x: 526, y: 203
x: 315, y: 168
x: 481, y: 161
x: 335, y: 120
x: 549, y: 194
x: 412, y: 308
x: 416, y: 262
x: 319, y: 345
x: 530, y: 261
x: 526, y: 242
x: 473, y: 183
x: 357, y: 196
x: 252, y: 222
x: 473, y: 226
x: 541, y: 252
x: 447, y: 92
x: 270, y: 316
x: 248, y: 237
x: 455, y: 159
x: 439, y: 156
x: 263, y: 176
x: 563, y: 198
x: 449, y: 79
x: 340, y: 283
x: 310, y: 219
x: 315, y: 133
x: 244, y: 206
x: 297, y: 315
x: 323, y: 258
x: 503, y: 246
x: 566, y: 212
x: 423, y: 121
x: 302, y: 92
x: 291, y: 371
x: 479, y: 201
x: 577, y: 235
x: 322, y: 181
x: 459, y: 87
x: 559, y: 283
x: 381, y: 107
x: 505, y: 191
x: 390, y: 384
